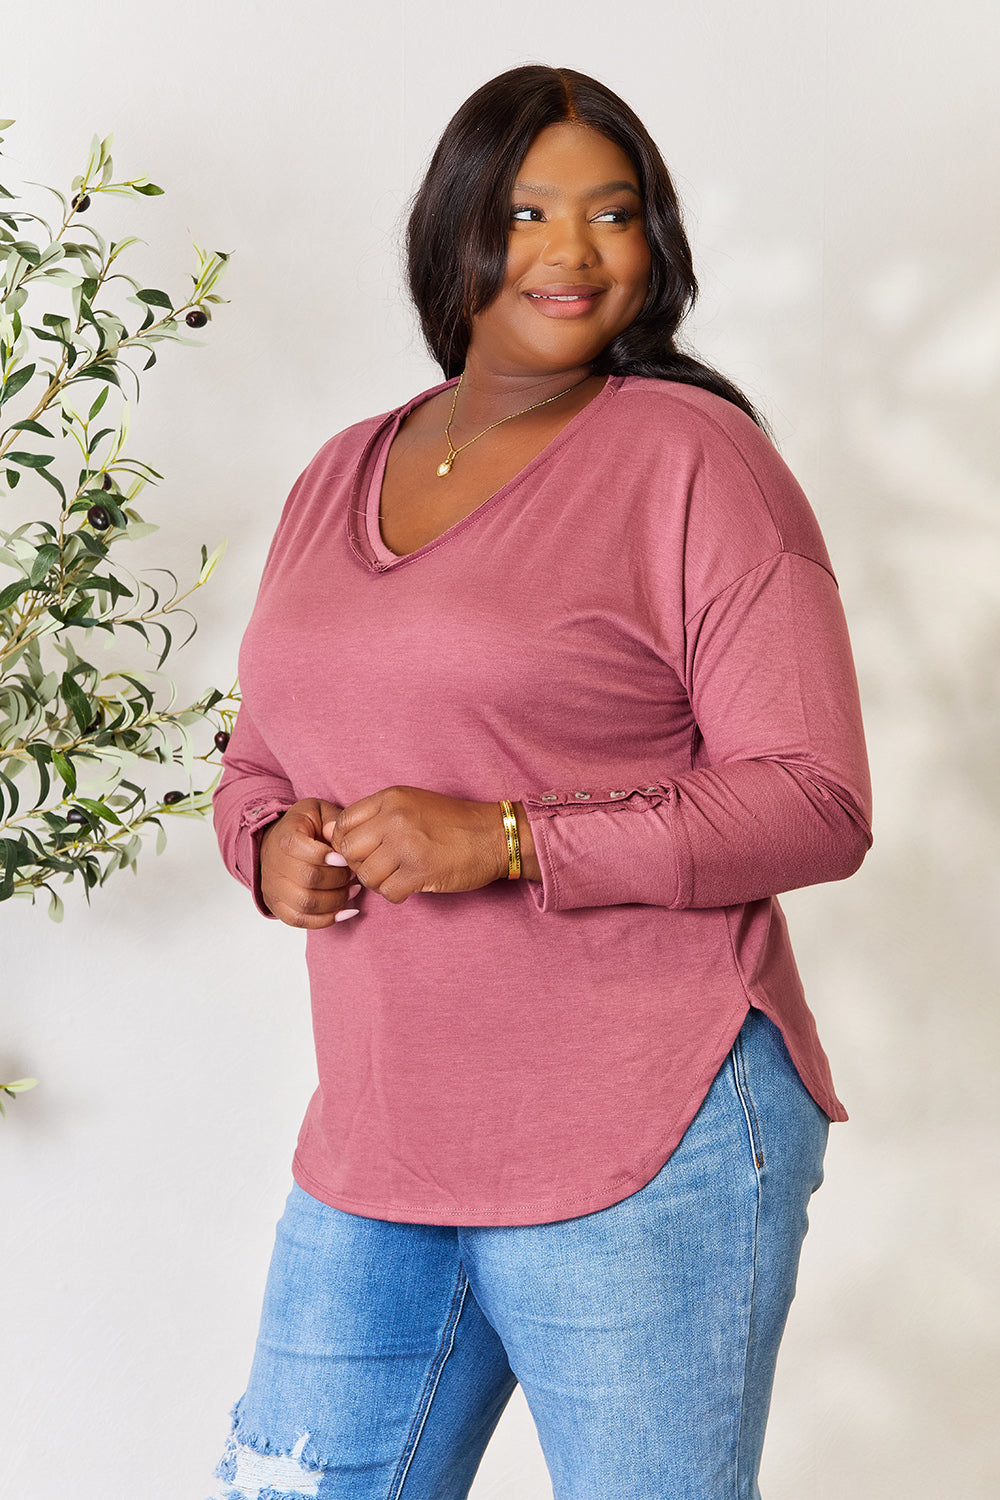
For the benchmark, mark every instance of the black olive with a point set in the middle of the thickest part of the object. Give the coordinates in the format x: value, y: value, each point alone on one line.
x: 107, y: 483
x: 99, y: 517
x: 171, y: 797
x: 221, y: 740
x: 81, y: 204
x: 196, y: 318
x: 77, y: 815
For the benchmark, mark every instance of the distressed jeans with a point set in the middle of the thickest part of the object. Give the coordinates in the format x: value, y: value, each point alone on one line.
x: 644, y: 1336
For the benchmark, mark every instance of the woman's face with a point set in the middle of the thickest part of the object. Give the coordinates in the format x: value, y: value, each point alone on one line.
x: 577, y: 259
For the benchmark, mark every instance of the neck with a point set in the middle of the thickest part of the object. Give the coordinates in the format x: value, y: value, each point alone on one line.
x: 490, y: 392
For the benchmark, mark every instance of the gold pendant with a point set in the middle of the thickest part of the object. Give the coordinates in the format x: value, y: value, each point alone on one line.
x: 445, y: 468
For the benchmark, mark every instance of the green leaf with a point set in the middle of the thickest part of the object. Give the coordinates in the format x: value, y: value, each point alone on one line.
x: 14, y: 854
x: 13, y: 796
x: 41, y: 753
x: 81, y: 621
x: 100, y: 372
x: 167, y: 641
x: 56, y: 908
x: 104, y: 432
x: 100, y: 810
x: 77, y: 701
x: 109, y: 584
x: 27, y: 251
x: 45, y: 559
x: 146, y: 693
x: 29, y: 426
x: 99, y: 404
x: 12, y: 592
x: 154, y: 298
x: 31, y: 460
x: 148, y: 189
x: 17, y: 382
x: 53, y: 338
x: 64, y: 766
x: 51, y: 479
x: 209, y: 564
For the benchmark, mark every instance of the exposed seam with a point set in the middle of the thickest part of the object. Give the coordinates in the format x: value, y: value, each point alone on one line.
x: 746, y: 1099
x: 679, y: 393
x: 430, y: 1386
x: 773, y: 557
x: 742, y: 1085
x: 746, y: 1349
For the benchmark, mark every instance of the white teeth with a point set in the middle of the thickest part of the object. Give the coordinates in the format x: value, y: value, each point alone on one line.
x: 546, y: 297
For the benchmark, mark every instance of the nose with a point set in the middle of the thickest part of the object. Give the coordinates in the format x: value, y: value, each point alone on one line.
x: 569, y: 243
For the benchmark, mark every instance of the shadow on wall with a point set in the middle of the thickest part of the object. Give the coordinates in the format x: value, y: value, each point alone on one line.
x: 911, y: 456
x: 903, y: 466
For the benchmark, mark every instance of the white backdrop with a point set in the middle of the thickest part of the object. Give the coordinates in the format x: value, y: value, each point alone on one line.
x: 838, y: 163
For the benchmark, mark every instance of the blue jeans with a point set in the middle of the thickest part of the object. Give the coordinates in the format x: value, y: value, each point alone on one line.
x: 644, y: 1336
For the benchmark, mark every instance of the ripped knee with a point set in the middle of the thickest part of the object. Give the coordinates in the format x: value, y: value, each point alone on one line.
x: 256, y: 1473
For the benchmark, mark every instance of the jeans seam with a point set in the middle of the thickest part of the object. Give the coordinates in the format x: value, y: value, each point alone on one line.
x: 430, y: 1386
x: 742, y: 1083
x: 746, y: 1099
x: 737, y: 1490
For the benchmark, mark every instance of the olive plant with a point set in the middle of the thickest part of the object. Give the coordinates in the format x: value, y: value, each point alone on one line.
x: 79, y: 740
x: 15, y: 1087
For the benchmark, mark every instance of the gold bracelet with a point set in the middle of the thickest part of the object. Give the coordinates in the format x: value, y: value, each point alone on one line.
x: 513, y: 842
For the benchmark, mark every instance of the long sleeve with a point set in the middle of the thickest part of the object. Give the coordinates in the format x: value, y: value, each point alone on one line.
x: 778, y: 795
x: 253, y: 792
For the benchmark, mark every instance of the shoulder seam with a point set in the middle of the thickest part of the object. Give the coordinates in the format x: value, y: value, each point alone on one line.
x: 774, y: 556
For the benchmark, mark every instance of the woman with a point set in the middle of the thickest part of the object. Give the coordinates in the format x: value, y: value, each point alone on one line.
x: 547, y: 692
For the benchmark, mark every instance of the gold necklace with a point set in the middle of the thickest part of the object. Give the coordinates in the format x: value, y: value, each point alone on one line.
x: 453, y: 452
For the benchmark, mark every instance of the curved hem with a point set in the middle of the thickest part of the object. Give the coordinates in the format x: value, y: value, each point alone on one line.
x: 538, y: 1212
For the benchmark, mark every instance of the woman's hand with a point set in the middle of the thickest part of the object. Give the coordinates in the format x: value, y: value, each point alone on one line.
x: 403, y: 840
x: 297, y: 883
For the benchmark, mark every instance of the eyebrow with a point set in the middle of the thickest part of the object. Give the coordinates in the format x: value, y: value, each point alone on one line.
x: 544, y: 190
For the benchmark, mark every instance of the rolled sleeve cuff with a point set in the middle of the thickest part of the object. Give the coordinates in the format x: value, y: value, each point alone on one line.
x: 604, y: 847
x: 254, y: 822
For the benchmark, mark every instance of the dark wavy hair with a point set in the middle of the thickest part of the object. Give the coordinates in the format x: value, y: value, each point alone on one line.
x: 456, y: 238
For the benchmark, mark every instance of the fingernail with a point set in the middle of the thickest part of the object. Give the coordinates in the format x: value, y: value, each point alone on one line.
x: 354, y: 890
x: 349, y: 911
x: 333, y: 858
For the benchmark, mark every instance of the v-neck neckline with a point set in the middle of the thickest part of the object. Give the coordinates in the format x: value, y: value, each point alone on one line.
x: 364, y: 525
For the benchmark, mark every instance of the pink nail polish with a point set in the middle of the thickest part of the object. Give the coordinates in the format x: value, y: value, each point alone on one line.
x: 354, y: 890
x: 333, y: 858
x: 349, y: 911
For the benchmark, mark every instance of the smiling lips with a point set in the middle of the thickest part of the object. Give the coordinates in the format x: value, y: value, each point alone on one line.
x: 562, y: 301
